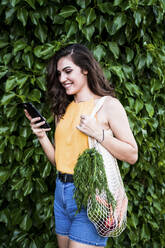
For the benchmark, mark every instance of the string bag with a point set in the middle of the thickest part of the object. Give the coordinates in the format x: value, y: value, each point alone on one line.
x: 99, y: 187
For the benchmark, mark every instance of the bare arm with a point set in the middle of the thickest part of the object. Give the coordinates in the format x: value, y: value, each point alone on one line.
x: 122, y: 145
x: 42, y: 137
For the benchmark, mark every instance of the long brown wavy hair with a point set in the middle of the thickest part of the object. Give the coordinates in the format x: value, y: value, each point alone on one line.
x: 83, y: 58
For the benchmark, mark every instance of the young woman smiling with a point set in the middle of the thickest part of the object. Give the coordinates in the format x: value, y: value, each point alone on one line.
x: 75, y: 83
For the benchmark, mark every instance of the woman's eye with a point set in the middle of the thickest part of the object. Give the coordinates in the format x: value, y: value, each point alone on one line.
x: 68, y: 71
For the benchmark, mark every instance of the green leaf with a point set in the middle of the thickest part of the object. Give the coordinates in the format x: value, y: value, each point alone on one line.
x: 34, y: 16
x: 33, y: 244
x: 28, y: 187
x: 106, y: 8
x: 27, y: 154
x: 9, y: 14
x: 41, y: 32
x: 7, y: 98
x: 132, y: 88
x: 21, y: 141
x: 18, y: 184
x: 19, y: 45
x: 11, y: 83
x: 22, y: 15
x: 28, y: 59
x: 157, y: 206
x: 49, y: 245
x: 41, y: 82
x: 67, y: 11
x: 100, y: 23
x: 26, y: 223
x: 118, y: 71
x: 4, y: 174
x: 4, y: 216
x: 138, y: 105
x: 149, y: 109
x: 3, y: 130
x: 118, y: 22
x: 47, y: 170
x: 35, y: 95
x: 44, y: 51
x: 22, y: 79
x: 140, y: 61
x: 129, y: 54
x: 72, y: 29
x: 162, y: 4
x: 155, y: 85
x: 41, y: 184
x: 138, y: 17
x: 81, y: 19
x: 91, y: 16
x: 114, y: 48
x: 14, y: 2
x: 88, y: 32
x: 11, y: 111
x: 134, y: 220
x: 18, y: 154
x: 31, y: 3
x: 117, y: 2
x: 99, y: 52
x: 145, y: 233
x: 83, y: 4
x: 3, y: 71
x: 149, y: 59
x: 6, y: 58
x: 3, y: 43
x: 58, y: 19
x: 41, y: 2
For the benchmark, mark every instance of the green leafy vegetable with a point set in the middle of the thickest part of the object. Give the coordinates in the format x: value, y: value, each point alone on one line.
x: 90, y: 177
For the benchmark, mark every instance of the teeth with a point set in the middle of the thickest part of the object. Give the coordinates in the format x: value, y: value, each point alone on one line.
x: 67, y: 85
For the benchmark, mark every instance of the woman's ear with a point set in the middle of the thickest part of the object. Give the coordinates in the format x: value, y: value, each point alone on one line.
x: 85, y: 72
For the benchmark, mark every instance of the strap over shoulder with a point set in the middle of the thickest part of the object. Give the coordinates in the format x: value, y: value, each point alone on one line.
x: 98, y: 105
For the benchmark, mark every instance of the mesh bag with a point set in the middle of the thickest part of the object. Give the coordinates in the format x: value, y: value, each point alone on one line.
x: 109, y: 219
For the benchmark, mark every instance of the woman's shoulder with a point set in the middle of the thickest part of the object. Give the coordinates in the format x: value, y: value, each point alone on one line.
x: 112, y: 101
x: 112, y: 104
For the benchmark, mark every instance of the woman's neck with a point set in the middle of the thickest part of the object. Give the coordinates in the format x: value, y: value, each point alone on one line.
x: 85, y: 98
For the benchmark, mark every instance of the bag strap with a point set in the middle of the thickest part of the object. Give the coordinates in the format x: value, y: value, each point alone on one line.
x: 98, y: 105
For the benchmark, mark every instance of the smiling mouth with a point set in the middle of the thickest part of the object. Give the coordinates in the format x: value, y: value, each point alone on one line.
x: 67, y: 85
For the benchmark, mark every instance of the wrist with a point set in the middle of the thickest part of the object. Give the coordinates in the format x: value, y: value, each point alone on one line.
x: 42, y: 137
x: 100, y: 136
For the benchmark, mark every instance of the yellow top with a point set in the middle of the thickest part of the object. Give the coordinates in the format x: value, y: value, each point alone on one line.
x: 69, y: 141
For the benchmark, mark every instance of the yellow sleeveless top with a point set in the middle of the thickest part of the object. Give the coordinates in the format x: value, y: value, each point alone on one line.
x: 69, y: 141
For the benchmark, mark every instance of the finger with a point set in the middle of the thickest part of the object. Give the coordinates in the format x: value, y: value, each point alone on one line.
x: 82, y: 117
x: 40, y: 130
x: 78, y: 127
x: 39, y: 124
x: 46, y: 129
x: 27, y: 115
x: 33, y: 120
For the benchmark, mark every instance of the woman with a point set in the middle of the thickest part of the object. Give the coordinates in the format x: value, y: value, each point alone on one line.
x: 75, y: 84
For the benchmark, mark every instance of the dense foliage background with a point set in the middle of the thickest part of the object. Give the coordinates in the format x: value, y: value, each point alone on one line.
x: 128, y: 39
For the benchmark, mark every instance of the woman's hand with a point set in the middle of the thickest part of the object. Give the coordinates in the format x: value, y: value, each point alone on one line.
x: 36, y: 127
x: 90, y: 127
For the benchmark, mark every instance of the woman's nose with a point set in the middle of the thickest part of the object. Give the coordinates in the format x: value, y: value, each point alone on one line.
x: 62, y: 77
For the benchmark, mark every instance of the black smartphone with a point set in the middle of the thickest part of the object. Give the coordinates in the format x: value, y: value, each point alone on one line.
x: 33, y: 112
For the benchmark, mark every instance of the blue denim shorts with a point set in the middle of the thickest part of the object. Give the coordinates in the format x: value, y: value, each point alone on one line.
x: 76, y: 226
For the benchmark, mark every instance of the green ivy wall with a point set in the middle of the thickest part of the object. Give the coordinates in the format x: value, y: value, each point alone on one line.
x: 128, y: 39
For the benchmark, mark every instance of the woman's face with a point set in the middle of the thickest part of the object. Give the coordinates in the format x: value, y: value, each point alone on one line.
x: 71, y: 76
